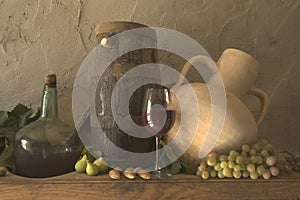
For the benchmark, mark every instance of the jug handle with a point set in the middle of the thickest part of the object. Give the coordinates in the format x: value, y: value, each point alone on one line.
x: 264, y: 100
x: 187, y: 66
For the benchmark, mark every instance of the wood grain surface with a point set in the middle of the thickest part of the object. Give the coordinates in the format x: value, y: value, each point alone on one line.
x: 80, y: 186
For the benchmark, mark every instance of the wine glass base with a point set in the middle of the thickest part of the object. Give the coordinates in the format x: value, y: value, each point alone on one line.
x: 163, y: 173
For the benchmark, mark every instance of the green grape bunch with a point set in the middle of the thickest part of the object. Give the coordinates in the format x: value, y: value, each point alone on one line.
x: 254, y: 161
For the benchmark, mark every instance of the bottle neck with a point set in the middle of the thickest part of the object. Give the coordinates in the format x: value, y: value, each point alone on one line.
x: 49, y: 102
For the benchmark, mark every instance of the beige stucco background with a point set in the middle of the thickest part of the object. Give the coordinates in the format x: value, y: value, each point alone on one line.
x: 41, y: 36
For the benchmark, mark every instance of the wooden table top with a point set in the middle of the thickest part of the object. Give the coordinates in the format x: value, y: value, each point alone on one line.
x: 80, y: 186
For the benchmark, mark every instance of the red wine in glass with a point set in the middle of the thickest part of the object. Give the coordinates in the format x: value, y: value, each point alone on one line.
x: 158, y: 121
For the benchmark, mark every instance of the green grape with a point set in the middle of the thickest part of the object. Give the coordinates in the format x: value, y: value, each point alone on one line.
x: 250, y: 167
x: 237, y: 174
x: 220, y: 174
x: 244, y: 154
x: 231, y: 158
x: 213, y: 173
x: 239, y: 159
x: 256, y: 147
x: 253, y: 159
x: 205, y: 174
x: 259, y: 160
x: 260, y: 170
x: 267, y: 174
x: 246, y: 160
x: 209, y: 168
x: 254, y: 175
x: 262, y: 142
x: 269, y: 148
x: 224, y: 164
x: 264, y: 153
x: 201, y: 168
x: 227, y: 172
x: 245, y: 148
x: 274, y: 171
x: 243, y: 167
x: 223, y: 158
x: 252, y: 152
x: 245, y: 174
x: 258, y: 153
x: 211, y: 161
x: 271, y: 160
x: 218, y: 167
x: 212, y: 154
x: 230, y: 164
x: 234, y: 153
x: 237, y: 168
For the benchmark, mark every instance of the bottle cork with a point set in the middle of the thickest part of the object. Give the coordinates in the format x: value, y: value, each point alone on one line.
x: 50, y: 80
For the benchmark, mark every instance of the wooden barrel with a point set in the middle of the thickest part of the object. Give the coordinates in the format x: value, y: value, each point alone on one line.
x: 117, y: 69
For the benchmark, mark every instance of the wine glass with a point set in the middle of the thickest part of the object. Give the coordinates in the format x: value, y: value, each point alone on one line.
x: 158, y: 116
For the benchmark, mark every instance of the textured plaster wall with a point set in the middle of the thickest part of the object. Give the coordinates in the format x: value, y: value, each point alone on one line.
x: 41, y: 36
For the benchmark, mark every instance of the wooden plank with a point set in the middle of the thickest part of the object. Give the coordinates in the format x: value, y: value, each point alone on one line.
x: 80, y: 186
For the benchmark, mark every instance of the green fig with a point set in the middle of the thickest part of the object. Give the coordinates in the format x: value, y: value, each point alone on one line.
x: 101, y: 164
x: 92, y: 169
x: 81, y: 164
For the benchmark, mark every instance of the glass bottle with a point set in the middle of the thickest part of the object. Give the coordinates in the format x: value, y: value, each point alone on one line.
x: 46, y: 147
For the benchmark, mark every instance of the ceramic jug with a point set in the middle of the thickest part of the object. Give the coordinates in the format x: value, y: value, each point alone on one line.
x: 238, y: 71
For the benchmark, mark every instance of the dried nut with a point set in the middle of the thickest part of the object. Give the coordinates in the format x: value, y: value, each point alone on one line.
x: 114, y: 174
x: 129, y: 169
x: 3, y: 171
x: 128, y: 173
x: 144, y: 175
x: 137, y: 170
x: 118, y: 169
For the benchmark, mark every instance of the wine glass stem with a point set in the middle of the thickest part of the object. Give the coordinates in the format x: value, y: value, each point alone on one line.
x: 157, y: 156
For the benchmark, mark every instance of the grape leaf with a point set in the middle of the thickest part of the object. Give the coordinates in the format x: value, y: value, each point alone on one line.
x: 6, y: 157
x: 184, y: 166
x: 10, y: 123
x: 2, y: 142
x: 178, y: 166
x: 18, y: 116
x: 3, y: 118
x: 8, y: 133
